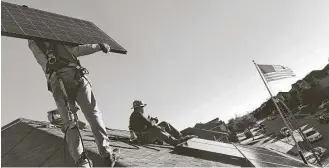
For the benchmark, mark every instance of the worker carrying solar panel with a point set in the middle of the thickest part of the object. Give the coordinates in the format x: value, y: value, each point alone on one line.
x: 63, y: 70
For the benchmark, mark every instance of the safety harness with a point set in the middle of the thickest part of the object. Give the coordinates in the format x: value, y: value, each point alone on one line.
x: 54, y: 66
x: 55, y: 63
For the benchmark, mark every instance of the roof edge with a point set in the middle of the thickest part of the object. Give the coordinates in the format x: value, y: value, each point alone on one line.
x: 19, y: 120
x: 11, y: 124
x: 217, y: 132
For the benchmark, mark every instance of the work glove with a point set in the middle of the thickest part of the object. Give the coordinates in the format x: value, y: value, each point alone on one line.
x: 155, y: 119
x: 105, y: 47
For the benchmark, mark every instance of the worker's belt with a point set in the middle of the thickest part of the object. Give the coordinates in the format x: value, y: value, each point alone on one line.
x: 63, y: 68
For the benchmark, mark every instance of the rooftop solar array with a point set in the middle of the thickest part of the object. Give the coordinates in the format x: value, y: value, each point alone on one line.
x: 28, y: 23
x: 236, y: 154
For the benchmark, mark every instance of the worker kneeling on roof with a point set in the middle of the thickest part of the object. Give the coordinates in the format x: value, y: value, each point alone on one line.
x: 60, y: 63
x: 147, y: 130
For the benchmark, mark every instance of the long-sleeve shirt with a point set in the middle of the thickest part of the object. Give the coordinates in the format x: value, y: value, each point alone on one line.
x: 138, y: 122
x: 76, y: 51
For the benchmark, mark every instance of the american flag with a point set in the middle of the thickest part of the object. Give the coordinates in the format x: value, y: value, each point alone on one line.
x: 275, y: 72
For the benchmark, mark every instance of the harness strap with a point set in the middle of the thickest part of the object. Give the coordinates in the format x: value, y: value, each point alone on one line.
x: 54, y: 59
x: 56, y: 64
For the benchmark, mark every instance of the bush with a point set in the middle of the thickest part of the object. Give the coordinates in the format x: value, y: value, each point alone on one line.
x: 248, y: 134
x: 232, y: 137
x: 241, y: 123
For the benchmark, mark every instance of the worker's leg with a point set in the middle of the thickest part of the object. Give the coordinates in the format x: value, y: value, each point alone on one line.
x: 86, y: 100
x: 170, y: 129
x: 72, y: 138
x: 157, y: 133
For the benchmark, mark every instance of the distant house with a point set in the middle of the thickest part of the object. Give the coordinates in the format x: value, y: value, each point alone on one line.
x: 206, y: 134
x: 323, y: 81
x: 284, y: 96
x: 318, y: 78
x: 319, y: 81
x: 212, y: 130
x: 214, y: 125
x: 301, y: 84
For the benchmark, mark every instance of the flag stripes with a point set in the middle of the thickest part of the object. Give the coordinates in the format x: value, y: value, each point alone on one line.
x: 276, y: 72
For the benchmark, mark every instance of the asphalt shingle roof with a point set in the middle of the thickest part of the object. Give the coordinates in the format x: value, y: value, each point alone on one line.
x: 31, y: 143
x: 28, y: 143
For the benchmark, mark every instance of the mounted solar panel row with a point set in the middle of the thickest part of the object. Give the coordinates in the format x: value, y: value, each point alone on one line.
x: 28, y: 23
x: 236, y: 154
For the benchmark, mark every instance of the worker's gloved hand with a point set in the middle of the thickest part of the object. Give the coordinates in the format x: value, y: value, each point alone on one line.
x: 153, y: 123
x: 155, y: 119
x: 105, y: 47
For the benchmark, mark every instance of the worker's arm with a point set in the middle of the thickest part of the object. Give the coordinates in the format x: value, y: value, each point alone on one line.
x: 38, y: 54
x: 87, y: 49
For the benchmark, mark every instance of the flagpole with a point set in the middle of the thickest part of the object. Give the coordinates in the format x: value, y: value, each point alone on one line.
x: 301, y: 132
x: 277, y: 107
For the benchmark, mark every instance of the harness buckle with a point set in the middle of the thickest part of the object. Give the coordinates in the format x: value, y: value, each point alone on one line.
x: 52, y: 60
x: 84, y: 71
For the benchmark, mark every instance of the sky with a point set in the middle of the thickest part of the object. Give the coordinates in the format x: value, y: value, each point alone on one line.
x: 189, y: 60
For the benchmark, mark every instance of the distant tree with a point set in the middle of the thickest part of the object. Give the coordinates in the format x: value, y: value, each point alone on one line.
x: 239, y: 124
x: 294, y: 100
x: 311, y: 96
x: 231, y: 125
x: 232, y: 137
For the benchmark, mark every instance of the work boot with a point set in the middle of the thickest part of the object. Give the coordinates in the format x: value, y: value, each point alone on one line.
x: 112, y: 158
x: 85, y: 163
x: 187, y: 137
x: 171, y: 141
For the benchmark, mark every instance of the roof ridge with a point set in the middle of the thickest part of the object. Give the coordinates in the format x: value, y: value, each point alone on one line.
x: 18, y: 120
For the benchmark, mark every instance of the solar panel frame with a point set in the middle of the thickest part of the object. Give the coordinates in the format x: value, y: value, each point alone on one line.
x: 29, y: 23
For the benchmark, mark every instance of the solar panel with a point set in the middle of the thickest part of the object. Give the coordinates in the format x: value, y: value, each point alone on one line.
x: 261, y: 157
x: 28, y: 23
x: 213, y: 150
x: 236, y: 154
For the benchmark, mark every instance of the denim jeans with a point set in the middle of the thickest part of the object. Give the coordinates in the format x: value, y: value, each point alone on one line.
x: 170, y: 129
x: 156, y: 132
x: 164, y: 132
x: 82, y: 93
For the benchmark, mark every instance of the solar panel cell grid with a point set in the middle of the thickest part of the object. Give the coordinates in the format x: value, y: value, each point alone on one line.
x: 23, y: 22
x: 14, y: 29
